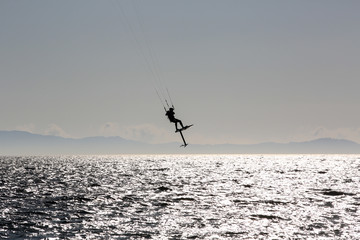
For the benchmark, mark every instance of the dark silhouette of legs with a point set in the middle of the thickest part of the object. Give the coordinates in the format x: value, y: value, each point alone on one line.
x: 176, y: 121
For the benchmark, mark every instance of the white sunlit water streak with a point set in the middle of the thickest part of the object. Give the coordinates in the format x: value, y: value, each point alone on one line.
x: 180, y: 197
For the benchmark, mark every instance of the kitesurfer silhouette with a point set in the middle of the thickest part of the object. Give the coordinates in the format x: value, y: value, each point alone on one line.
x: 171, y: 115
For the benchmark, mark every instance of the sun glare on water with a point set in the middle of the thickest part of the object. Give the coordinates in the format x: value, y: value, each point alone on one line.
x: 180, y: 197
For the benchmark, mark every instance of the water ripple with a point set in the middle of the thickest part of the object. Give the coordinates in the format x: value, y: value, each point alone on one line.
x: 180, y: 197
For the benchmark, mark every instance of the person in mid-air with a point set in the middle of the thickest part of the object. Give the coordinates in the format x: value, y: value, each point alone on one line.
x: 171, y: 115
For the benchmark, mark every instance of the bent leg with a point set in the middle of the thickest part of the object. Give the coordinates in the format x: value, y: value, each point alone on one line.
x: 179, y: 121
x: 176, y: 121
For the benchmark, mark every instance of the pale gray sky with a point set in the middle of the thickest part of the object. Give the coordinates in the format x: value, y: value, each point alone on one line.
x: 240, y: 71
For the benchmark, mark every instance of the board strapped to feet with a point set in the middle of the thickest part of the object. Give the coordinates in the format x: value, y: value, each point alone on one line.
x: 182, y: 136
x: 184, y: 128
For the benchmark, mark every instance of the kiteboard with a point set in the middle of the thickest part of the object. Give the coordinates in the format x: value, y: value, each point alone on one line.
x: 182, y: 136
x: 184, y: 128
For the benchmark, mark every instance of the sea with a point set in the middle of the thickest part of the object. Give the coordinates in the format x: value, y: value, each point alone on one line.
x: 180, y: 197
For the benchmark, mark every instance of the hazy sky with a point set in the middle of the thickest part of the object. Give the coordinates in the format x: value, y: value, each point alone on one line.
x: 240, y: 71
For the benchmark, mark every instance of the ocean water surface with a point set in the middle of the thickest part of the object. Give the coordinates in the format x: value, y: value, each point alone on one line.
x: 180, y: 197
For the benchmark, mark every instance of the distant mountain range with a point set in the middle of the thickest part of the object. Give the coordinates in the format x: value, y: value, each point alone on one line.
x: 25, y: 143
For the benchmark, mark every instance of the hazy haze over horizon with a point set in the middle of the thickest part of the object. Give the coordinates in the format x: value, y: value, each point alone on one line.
x: 240, y: 71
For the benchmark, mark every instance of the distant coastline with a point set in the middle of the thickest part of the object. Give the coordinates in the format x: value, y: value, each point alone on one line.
x: 25, y: 143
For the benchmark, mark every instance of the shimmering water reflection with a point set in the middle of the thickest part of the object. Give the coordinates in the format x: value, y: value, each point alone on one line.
x: 180, y: 197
